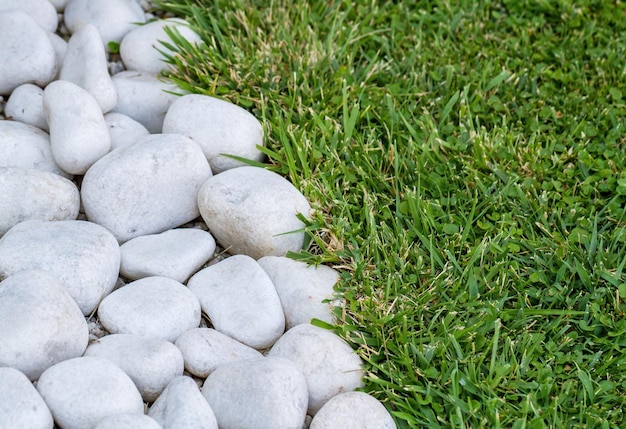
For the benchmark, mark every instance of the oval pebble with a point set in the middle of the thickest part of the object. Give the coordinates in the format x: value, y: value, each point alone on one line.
x: 82, y: 391
x: 127, y: 421
x: 124, y: 130
x: 204, y: 349
x: 40, y: 324
x: 26, y: 146
x: 353, y: 409
x: 41, y: 11
x: 155, y: 307
x: 330, y: 365
x: 21, y: 406
x: 26, y: 105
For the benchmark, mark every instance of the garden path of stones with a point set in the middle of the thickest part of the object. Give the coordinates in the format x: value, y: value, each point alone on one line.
x: 122, y: 223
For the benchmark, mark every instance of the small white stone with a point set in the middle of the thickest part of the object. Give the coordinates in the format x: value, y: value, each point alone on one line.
x: 240, y: 299
x: 219, y: 127
x: 127, y: 421
x: 42, y: 11
x: 85, y: 64
x: 60, y: 48
x: 78, y: 134
x: 140, y: 48
x: 266, y: 392
x: 182, y: 406
x: 20, y: 404
x: 204, y: 349
x: 25, y: 105
x: 149, y: 362
x: 252, y: 211
x: 82, y: 391
x: 329, y: 364
x: 40, y: 324
x: 124, y: 130
x: 33, y: 194
x: 177, y: 254
x: 155, y: 307
x: 353, y: 409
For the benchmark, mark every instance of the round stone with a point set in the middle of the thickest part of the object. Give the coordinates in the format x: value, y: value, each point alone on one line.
x: 353, y: 409
x: 124, y: 130
x: 42, y: 11
x: 25, y: 105
x: 127, y: 421
x: 155, y: 307
x: 20, y: 404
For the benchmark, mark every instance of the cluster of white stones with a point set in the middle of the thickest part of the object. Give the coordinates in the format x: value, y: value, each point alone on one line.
x: 121, y: 211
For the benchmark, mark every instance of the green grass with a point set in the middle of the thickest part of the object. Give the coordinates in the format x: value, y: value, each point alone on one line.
x: 466, y: 161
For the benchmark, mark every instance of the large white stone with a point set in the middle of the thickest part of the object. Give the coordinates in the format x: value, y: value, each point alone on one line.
x: 330, y: 365
x: 20, y: 404
x: 204, y: 349
x: 124, y: 130
x: 304, y: 290
x: 257, y: 393
x: 145, y: 97
x: 84, y: 256
x: 252, y: 211
x: 140, y: 48
x: 240, y: 299
x: 78, y: 134
x: 145, y: 188
x: 177, y: 254
x: 40, y: 324
x: 149, y: 362
x: 41, y: 11
x: 219, y: 127
x: 32, y: 194
x: 25, y: 105
x: 21, y: 36
x: 155, y: 307
x: 82, y: 391
x: 353, y: 409
x: 85, y: 64
x: 127, y: 421
x: 182, y: 406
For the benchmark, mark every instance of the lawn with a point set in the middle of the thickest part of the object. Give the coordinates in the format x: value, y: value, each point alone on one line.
x: 466, y: 163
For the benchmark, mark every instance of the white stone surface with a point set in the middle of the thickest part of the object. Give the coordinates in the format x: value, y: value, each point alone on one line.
x: 182, y: 406
x: 204, y: 349
x: 41, y: 11
x: 145, y: 188
x: 82, y: 391
x: 32, y: 194
x: 40, y: 324
x: 21, y: 36
x: 240, y: 299
x: 20, y: 404
x: 127, y: 421
x: 59, y: 5
x: 330, y: 365
x: 219, y: 127
x: 155, y: 307
x: 249, y: 210
x: 25, y: 105
x: 140, y: 48
x: 303, y: 289
x: 353, y: 409
x: 124, y: 130
x: 149, y: 362
x: 257, y: 393
x: 60, y: 47
x: 78, y: 134
x: 85, y: 64
x: 84, y: 256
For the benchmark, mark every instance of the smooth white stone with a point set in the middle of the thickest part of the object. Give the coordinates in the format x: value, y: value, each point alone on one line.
x: 329, y: 364
x: 40, y: 324
x: 41, y: 11
x: 78, y: 134
x: 83, y: 255
x: 155, y: 307
x: 85, y: 64
x: 124, y: 130
x: 60, y: 48
x: 149, y: 362
x: 127, y: 421
x: 20, y: 404
x: 303, y: 289
x: 177, y: 254
x: 204, y: 349
x: 219, y: 127
x: 182, y: 406
x: 33, y: 194
x: 145, y: 188
x: 257, y: 393
x: 82, y: 391
x: 240, y: 299
x: 112, y: 18
x: 353, y: 409
x: 21, y: 36
x: 145, y: 97
x: 140, y: 48
x: 250, y: 210
x: 25, y: 105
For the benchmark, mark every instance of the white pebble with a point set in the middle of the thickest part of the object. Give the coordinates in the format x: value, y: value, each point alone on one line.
x: 25, y: 105
x: 20, y: 404
x: 42, y: 11
x: 353, y: 409
x: 124, y: 130
x: 127, y: 421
